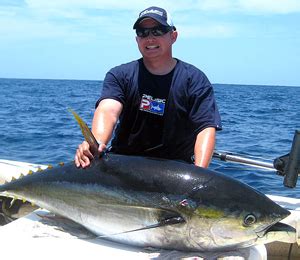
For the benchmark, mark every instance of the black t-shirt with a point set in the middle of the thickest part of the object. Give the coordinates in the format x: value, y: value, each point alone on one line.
x: 161, y: 115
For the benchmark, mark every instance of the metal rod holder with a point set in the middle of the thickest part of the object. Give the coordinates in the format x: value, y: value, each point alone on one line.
x: 242, y: 160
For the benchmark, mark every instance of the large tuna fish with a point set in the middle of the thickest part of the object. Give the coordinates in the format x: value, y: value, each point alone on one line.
x: 153, y: 202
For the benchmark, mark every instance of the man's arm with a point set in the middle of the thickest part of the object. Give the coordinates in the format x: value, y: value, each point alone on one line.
x: 104, y: 121
x: 105, y: 118
x: 204, y: 146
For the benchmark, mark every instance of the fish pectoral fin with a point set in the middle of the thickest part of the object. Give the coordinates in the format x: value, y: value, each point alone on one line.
x: 163, y: 222
x: 168, y: 221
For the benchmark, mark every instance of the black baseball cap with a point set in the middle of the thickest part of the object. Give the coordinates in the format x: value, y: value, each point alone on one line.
x: 158, y: 14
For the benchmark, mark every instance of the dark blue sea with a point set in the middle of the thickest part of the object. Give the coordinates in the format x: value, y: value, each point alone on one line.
x: 258, y: 122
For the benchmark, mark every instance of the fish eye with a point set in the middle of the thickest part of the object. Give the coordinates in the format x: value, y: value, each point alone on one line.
x: 249, y: 220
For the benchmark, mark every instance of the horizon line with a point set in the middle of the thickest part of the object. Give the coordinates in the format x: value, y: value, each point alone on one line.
x: 101, y: 80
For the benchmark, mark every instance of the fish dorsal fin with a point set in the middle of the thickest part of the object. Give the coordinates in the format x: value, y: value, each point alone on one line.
x: 164, y: 222
x: 87, y: 133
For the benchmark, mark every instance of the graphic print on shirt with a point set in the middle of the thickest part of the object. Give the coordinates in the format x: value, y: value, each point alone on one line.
x: 153, y: 105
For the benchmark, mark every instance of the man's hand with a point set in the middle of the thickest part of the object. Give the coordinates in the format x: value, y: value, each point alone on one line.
x: 83, y: 156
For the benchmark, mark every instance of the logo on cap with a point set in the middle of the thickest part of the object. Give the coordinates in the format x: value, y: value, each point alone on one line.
x: 152, y: 11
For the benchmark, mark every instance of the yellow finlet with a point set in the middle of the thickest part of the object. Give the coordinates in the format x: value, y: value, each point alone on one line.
x: 49, y: 166
x: 61, y: 164
x: 30, y: 172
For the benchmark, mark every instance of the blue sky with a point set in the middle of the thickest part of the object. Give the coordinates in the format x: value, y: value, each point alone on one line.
x: 236, y: 42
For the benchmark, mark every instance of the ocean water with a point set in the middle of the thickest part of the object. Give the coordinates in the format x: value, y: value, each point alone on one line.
x: 258, y: 122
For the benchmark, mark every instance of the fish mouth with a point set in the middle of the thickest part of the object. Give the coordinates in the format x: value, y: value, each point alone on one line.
x: 276, y: 227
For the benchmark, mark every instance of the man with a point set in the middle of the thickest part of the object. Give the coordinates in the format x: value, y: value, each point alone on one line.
x: 162, y: 106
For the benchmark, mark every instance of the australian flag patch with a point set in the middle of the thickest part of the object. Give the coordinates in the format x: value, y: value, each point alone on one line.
x: 153, y: 105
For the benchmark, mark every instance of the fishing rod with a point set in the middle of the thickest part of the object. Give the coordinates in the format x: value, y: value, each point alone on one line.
x: 287, y: 165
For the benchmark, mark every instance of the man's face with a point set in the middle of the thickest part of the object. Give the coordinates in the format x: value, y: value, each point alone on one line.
x: 155, y: 46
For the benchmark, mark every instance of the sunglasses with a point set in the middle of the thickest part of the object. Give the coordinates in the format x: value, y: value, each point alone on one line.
x: 155, y: 31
